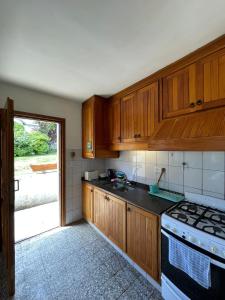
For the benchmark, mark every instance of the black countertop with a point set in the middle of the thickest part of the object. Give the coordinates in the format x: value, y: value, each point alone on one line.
x: 138, y: 196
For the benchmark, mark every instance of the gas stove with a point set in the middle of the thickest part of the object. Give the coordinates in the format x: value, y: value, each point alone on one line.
x: 200, y: 220
x: 201, y: 217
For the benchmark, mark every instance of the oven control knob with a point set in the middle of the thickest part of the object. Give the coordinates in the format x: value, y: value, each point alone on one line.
x: 193, y: 239
x: 213, y: 249
x: 200, y: 243
x: 167, y: 226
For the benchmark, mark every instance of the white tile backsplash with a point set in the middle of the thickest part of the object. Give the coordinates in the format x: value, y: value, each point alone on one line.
x: 213, y: 161
x: 193, y: 159
x: 193, y: 177
x: 203, y: 172
x: 176, y: 175
x: 213, y: 181
x: 176, y: 158
x: 162, y: 158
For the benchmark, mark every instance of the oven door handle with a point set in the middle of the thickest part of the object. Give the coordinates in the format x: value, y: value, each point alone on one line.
x: 212, y: 261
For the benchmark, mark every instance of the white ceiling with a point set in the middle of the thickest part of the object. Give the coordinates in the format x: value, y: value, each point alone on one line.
x: 77, y: 48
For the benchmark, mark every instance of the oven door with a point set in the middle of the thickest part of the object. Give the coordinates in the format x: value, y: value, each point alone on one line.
x: 185, y: 284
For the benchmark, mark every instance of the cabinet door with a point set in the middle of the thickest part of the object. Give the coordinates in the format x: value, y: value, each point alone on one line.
x: 113, y: 135
x: 116, y: 218
x: 87, y: 202
x: 213, y: 68
x: 127, y: 118
x: 142, y: 239
x: 88, y: 129
x: 146, y: 111
x: 99, y: 210
x: 180, y: 92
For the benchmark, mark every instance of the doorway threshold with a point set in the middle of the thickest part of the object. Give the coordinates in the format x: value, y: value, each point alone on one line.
x: 36, y: 220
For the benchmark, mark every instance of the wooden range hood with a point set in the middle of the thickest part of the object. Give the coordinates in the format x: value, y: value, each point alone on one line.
x: 199, y: 131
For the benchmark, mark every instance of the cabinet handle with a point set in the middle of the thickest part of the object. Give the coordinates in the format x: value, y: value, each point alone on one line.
x: 199, y: 102
x: 128, y: 209
x: 135, y: 136
x: 139, y: 135
x: 192, y: 104
x: 92, y: 191
x: 119, y: 138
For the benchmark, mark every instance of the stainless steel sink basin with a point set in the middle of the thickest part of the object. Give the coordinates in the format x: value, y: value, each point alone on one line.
x: 122, y: 187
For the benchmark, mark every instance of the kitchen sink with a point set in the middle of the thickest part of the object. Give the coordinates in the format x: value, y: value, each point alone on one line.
x: 122, y: 187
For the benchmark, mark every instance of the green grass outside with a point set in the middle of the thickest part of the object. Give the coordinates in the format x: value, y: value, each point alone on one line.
x: 22, y: 164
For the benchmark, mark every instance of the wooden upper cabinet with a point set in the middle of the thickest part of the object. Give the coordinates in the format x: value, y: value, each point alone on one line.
x: 180, y: 92
x: 199, y: 86
x: 139, y: 114
x: 87, y: 201
x: 142, y: 239
x: 93, y: 129
x: 127, y: 118
x: 112, y: 121
x: 116, y: 218
x: 213, y: 74
x: 146, y: 111
x: 88, y: 129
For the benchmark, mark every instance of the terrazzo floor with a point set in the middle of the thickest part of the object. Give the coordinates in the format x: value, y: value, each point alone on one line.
x: 76, y: 263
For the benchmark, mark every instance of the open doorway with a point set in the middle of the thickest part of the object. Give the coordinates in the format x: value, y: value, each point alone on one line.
x: 39, y: 174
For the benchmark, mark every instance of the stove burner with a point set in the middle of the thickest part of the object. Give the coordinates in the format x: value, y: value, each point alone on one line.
x: 203, y: 218
x: 189, y: 207
x: 218, y: 217
x: 180, y: 216
x: 212, y: 227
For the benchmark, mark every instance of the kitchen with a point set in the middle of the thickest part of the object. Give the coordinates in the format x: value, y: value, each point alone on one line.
x: 144, y: 179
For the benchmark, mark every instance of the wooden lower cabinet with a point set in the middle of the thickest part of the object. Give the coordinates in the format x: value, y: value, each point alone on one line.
x: 99, y: 210
x: 142, y: 239
x: 116, y: 218
x: 87, y: 202
x: 110, y: 217
x: 132, y: 229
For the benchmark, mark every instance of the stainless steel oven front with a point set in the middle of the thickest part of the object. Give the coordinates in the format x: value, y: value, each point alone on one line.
x: 176, y: 284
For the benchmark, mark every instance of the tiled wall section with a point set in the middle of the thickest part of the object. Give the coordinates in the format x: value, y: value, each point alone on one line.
x: 75, y: 168
x: 203, y: 172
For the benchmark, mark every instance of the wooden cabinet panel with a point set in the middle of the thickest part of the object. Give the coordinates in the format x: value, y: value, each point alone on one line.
x: 142, y: 239
x: 139, y: 114
x: 116, y: 218
x: 87, y: 201
x: 180, y: 92
x: 93, y: 129
x: 99, y: 210
x: 127, y: 118
x: 146, y: 111
x: 112, y: 123
x: 88, y: 129
x: 213, y: 68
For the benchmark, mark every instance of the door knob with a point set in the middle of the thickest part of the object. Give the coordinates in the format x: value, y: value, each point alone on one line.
x: 192, y: 104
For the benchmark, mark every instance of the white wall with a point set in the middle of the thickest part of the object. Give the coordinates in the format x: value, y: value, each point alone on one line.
x: 203, y: 172
x: 40, y: 103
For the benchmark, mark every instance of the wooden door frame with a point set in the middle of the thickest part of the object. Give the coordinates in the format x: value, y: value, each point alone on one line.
x: 62, y: 157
